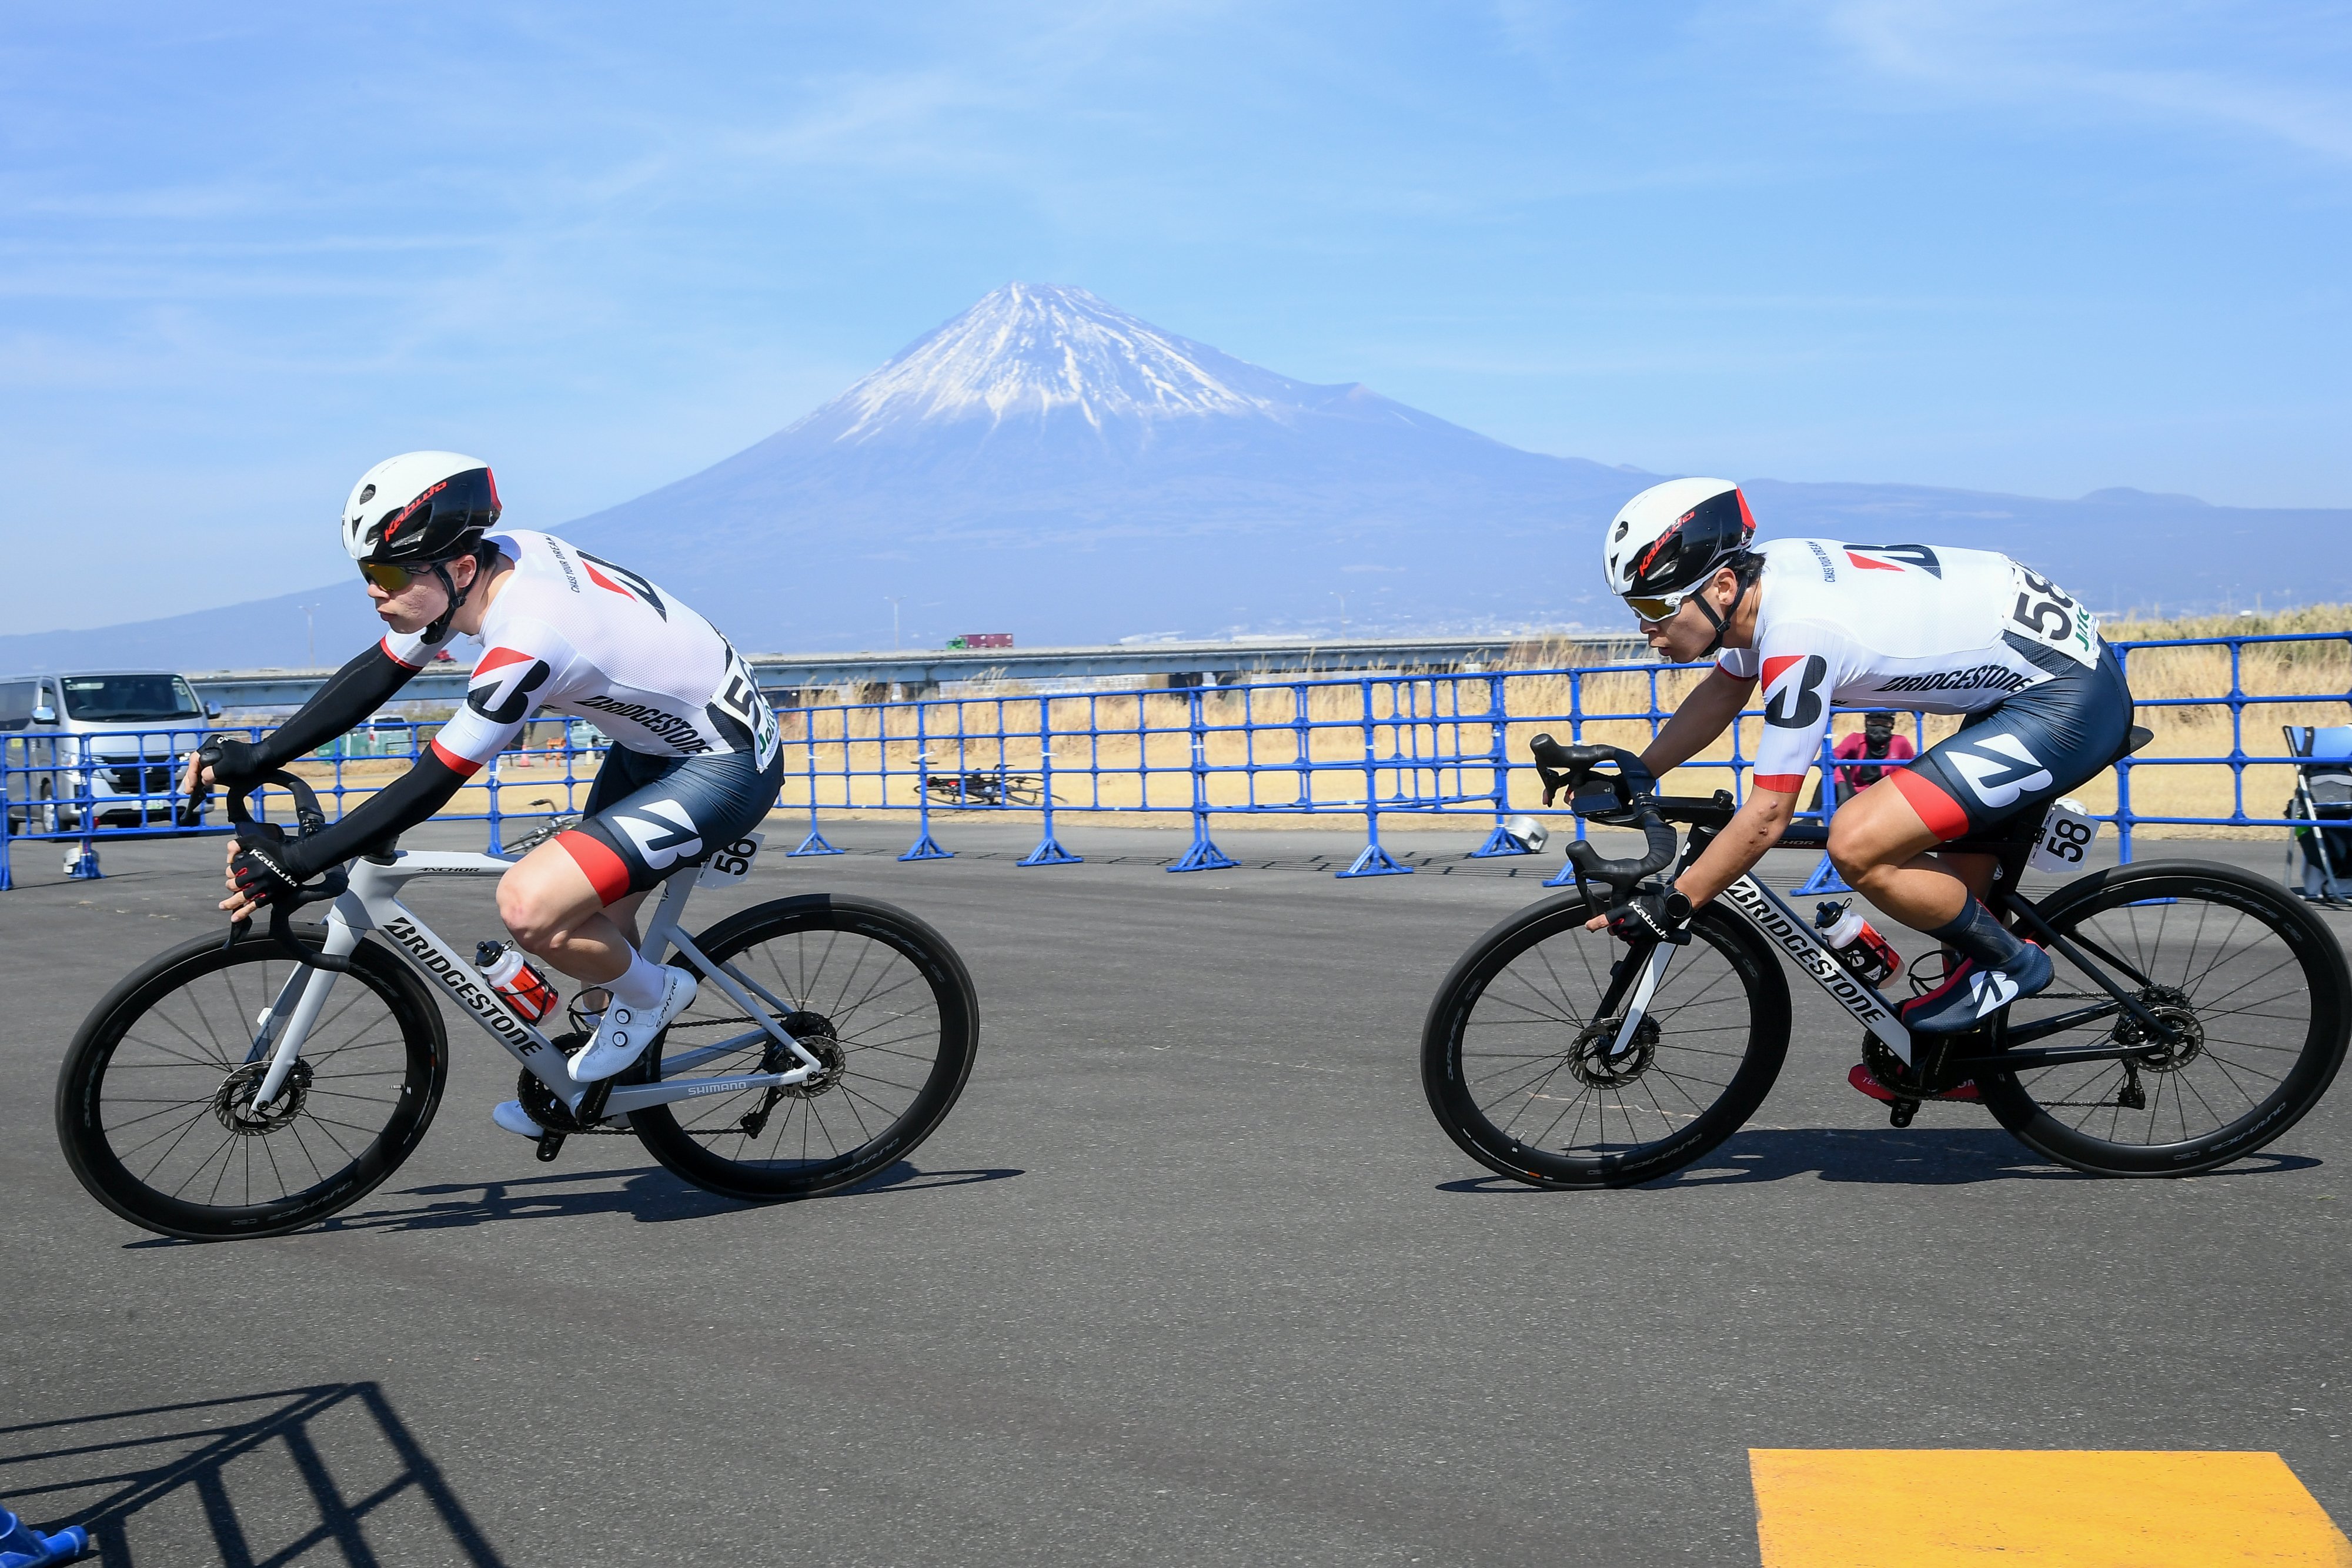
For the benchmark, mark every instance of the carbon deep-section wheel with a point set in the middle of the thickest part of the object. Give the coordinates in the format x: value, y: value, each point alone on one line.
x: 2252, y: 984
x: 1518, y: 1068
x: 155, y: 1100
x: 877, y: 996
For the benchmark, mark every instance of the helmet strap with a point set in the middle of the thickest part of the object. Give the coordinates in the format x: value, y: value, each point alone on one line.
x: 1722, y: 624
x: 433, y: 634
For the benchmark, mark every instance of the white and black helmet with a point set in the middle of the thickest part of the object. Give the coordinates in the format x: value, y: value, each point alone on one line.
x: 1672, y: 537
x: 420, y: 507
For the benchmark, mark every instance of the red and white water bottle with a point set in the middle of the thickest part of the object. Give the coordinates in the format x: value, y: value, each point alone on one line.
x: 1857, y: 946
x: 524, y: 988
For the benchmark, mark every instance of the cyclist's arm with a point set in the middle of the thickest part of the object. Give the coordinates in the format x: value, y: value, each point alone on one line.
x: 1802, y: 668
x: 363, y: 684
x: 508, y: 685
x: 1709, y: 709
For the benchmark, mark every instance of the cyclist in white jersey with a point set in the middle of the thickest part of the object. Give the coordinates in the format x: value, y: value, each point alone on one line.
x: 697, y: 759
x: 1820, y: 621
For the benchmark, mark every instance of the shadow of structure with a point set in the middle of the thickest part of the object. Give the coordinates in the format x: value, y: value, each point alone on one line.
x: 1881, y: 1157
x: 322, y: 1475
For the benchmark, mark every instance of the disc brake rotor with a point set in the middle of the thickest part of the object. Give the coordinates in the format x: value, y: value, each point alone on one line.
x: 232, y: 1103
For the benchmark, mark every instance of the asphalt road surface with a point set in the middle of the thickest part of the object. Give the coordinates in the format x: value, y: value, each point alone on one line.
x: 1189, y: 1275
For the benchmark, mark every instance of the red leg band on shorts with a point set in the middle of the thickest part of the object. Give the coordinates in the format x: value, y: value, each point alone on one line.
x: 1938, y: 811
x: 606, y: 871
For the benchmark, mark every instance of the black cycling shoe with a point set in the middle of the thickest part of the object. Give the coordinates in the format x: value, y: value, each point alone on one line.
x: 1971, y: 993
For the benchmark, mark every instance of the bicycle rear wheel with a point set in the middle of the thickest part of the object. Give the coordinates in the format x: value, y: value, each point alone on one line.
x: 877, y: 996
x: 2253, y: 982
x: 155, y: 1105
x: 1514, y: 1062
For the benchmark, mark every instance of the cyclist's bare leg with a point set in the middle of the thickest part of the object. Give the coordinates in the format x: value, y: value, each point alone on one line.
x: 1880, y: 845
x: 555, y: 914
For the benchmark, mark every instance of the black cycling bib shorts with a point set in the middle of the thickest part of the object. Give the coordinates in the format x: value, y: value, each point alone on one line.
x: 2026, y: 752
x: 647, y: 815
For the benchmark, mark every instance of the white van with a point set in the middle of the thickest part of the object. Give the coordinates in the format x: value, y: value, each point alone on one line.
x: 113, y: 742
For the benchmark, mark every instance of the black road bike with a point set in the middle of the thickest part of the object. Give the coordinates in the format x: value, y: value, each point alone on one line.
x: 2197, y: 1013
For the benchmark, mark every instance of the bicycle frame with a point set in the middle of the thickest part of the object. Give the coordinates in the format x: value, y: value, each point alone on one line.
x: 372, y: 904
x: 1770, y: 917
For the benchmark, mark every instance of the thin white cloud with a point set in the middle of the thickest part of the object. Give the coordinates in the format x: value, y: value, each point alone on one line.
x: 2115, y: 56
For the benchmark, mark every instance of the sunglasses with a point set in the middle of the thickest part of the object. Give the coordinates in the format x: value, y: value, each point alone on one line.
x: 392, y: 576
x: 1652, y: 610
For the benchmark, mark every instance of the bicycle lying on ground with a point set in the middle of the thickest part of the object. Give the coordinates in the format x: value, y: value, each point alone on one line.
x: 995, y: 788
x: 254, y: 1086
x: 2196, y: 1014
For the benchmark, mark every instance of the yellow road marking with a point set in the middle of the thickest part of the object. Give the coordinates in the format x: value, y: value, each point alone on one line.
x: 1995, y: 1507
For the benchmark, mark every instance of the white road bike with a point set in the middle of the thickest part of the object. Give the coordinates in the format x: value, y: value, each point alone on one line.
x: 254, y: 1086
x: 2197, y: 1013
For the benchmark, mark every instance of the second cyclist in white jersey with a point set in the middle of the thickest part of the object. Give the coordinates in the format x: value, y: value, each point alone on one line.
x: 696, y: 760
x: 1819, y: 623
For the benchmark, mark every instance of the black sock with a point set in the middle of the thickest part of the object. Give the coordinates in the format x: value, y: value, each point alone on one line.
x: 1976, y: 934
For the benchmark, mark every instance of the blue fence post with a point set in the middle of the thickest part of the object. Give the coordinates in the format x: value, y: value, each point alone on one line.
x: 84, y: 867
x: 1499, y: 842
x: 1825, y: 878
x: 1203, y: 855
x: 1373, y: 861
x: 1049, y: 850
x: 926, y: 848
x: 8, y: 827
x: 814, y: 844
x: 490, y: 782
x: 21, y: 1544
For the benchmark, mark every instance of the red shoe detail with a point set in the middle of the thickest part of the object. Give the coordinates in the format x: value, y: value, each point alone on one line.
x: 1861, y: 1079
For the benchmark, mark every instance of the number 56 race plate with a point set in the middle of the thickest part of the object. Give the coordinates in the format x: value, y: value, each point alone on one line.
x: 733, y: 863
x: 2066, y: 832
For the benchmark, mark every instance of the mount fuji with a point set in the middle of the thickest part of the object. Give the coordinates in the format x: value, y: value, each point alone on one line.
x: 1049, y: 466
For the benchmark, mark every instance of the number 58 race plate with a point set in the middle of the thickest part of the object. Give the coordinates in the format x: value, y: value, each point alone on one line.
x: 2066, y: 832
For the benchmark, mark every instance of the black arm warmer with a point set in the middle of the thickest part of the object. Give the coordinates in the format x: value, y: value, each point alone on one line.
x: 351, y: 694
x: 390, y: 810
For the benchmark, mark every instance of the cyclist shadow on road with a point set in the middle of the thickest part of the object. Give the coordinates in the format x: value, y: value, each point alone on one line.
x: 652, y: 1196
x: 1885, y: 1157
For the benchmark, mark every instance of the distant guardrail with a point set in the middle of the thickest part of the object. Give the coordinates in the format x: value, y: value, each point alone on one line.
x: 921, y: 671
x: 1442, y: 746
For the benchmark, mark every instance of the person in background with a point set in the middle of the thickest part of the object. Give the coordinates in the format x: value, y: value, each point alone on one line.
x: 1877, y: 740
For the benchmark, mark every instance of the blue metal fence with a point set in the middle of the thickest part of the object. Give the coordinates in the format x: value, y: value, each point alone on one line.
x: 1421, y: 748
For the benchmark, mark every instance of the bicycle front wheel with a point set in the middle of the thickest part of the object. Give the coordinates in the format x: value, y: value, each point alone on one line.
x: 2252, y: 983
x: 876, y: 995
x: 1516, y: 1061
x: 155, y: 1100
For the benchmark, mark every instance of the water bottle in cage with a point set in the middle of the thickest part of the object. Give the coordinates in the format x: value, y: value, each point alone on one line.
x: 1857, y: 946
x: 525, y: 988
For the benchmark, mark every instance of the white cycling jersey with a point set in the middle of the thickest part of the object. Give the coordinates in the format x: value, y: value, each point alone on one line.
x: 573, y: 634
x: 1900, y: 626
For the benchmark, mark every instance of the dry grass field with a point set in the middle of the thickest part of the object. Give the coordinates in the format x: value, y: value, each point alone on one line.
x: 1278, y: 746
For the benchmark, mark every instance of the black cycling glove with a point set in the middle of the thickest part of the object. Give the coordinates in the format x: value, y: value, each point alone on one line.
x: 234, y: 763
x: 1652, y: 916
x: 265, y: 868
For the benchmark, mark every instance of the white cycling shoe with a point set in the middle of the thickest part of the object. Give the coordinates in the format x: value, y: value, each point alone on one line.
x: 510, y: 1115
x: 623, y: 1032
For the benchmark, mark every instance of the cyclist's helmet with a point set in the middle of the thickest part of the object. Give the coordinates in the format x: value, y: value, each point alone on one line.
x: 420, y: 507
x: 1672, y: 537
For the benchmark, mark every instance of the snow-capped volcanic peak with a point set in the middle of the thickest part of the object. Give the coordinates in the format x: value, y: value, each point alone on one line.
x: 1031, y: 350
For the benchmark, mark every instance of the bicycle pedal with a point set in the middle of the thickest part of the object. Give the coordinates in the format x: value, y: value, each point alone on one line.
x: 1899, y: 1113
x: 550, y: 1144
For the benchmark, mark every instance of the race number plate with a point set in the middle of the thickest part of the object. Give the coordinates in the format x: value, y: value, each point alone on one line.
x: 2066, y: 833
x: 2044, y: 613
x: 732, y: 864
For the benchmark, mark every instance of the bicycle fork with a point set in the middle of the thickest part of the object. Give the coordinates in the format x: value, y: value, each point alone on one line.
x: 307, y: 989
x: 1643, y: 986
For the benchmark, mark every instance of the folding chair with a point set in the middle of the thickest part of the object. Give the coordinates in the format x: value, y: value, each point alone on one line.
x: 2323, y: 795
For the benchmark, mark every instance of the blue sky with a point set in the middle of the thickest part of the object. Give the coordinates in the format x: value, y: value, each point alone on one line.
x: 2039, y: 248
